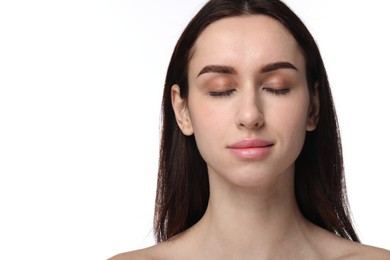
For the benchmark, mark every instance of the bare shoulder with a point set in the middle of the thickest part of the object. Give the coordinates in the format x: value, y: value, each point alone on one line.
x: 335, y: 247
x: 150, y: 253
x: 348, y: 249
x: 171, y: 249
x: 360, y: 251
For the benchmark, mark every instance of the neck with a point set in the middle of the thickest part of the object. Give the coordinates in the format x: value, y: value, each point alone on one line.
x: 258, y: 219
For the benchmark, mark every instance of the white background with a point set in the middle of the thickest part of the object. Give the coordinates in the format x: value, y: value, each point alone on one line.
x: 80, y: 92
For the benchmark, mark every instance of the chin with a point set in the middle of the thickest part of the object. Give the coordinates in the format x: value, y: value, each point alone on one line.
x: 259, y: 178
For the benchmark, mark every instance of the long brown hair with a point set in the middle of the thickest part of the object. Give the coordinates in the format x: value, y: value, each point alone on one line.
x: 183, y: 185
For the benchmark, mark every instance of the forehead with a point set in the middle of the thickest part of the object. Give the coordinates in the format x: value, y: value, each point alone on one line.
x: 246, y: 40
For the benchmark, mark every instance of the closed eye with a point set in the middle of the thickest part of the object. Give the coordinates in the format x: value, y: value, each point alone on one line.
x: 275, y: 91
x: 222, y: 93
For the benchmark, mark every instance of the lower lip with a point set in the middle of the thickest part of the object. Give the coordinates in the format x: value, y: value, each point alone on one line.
x: 251, y: 152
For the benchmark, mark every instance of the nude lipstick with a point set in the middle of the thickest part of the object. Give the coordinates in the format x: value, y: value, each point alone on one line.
x: 250, y: 149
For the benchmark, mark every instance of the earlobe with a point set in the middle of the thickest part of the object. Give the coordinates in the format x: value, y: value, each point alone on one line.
x: 181, y: 111
x: 314, y: 111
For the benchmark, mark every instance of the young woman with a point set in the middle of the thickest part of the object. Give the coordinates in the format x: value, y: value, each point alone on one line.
x: 250, y: 158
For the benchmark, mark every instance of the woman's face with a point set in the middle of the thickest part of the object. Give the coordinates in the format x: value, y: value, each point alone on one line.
x: 248, y: 102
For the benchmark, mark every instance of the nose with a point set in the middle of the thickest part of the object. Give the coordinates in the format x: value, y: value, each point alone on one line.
x: 249, y: 113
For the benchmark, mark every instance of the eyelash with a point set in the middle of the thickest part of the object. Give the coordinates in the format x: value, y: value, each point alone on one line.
x: 222, y: 93
x: 229, y: 92
x: 283, y: 91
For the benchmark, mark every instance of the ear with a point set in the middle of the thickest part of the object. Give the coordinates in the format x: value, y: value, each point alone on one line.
x: 314, y: 110
x: 181, y: 111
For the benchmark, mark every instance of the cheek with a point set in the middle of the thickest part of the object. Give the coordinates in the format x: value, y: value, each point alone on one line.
x: 210, y: 128
x: 291, y: 119
x: 205, y: 132
x: 295, y: 117
x: 207, y: 117
x: 207, y: 122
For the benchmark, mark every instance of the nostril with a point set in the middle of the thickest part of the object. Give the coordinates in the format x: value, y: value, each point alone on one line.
x: 252, y: 124
x: 249, y: 115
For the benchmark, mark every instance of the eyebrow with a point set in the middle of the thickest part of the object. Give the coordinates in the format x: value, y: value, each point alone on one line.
x: 217, y: 69
x: 277, y: 65
x: 230, y: 70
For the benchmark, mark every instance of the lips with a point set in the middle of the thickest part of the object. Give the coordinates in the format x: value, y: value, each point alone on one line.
x: 250, y: 143
x: 251, y: 148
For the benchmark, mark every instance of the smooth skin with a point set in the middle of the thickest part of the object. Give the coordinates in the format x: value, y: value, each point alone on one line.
x: 238, y: 90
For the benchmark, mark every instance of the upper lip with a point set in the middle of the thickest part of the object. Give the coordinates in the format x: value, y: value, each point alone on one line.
x: 250, y: 143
